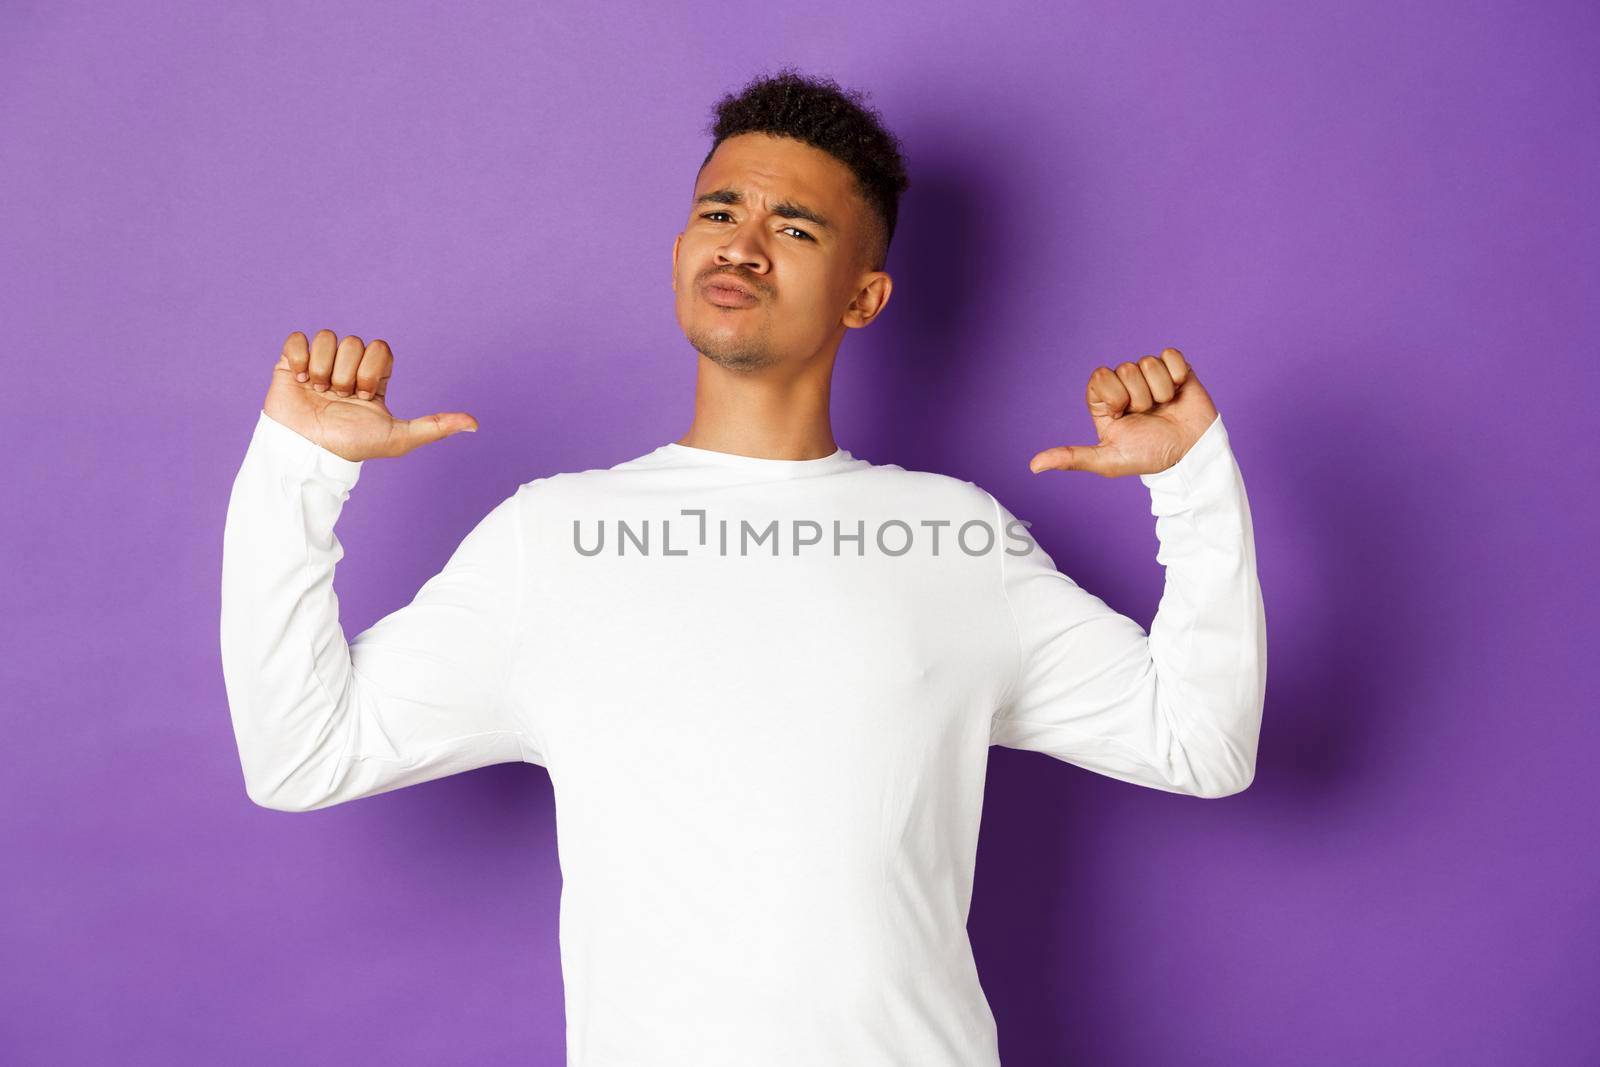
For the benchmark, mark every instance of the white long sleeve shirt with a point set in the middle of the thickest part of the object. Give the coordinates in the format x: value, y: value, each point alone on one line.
x: 764, y: 691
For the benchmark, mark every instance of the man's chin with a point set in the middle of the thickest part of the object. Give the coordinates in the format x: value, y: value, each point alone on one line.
x: 731, y: 354
x: 739, y: 361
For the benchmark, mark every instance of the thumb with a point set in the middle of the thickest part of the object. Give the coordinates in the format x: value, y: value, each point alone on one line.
x: 1093, y: 458
x: 430, y: 428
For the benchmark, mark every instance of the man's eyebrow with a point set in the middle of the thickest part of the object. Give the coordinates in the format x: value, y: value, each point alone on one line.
x: 787, y: 209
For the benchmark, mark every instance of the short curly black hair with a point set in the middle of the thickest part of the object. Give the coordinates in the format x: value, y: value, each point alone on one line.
x: 815, y: 110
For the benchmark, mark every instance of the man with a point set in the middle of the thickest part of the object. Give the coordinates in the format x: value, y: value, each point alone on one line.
x: 763, y: 674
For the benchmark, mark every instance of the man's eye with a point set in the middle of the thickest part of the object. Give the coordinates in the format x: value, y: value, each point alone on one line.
x: 711, y: 215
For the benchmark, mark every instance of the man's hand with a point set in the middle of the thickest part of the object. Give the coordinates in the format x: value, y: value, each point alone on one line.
x: 1147, y: 414
x: 332, y: 392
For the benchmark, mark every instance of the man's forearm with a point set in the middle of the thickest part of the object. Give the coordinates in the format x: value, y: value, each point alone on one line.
x: 1208, y: 638
x: 286, y: 664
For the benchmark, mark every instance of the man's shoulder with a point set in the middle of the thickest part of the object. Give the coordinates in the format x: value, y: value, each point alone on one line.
x: 933, y: 486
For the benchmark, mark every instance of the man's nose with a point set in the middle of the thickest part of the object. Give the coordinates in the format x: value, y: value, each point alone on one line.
x: 743, y: 248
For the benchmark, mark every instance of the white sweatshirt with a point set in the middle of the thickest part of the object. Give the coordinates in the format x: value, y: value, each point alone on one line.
x: 767, y: 756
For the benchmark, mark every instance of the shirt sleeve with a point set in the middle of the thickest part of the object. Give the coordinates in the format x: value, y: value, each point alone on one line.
x: 419, y: 695
x: 1180, y: 708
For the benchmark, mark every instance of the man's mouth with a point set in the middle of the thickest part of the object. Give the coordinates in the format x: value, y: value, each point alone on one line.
x: 731, y: 295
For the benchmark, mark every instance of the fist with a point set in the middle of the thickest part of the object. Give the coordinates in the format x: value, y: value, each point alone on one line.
x: 332, y: 391
x: 1146, y: 414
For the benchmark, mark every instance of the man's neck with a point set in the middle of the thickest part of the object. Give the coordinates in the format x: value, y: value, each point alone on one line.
x: 771, y: 414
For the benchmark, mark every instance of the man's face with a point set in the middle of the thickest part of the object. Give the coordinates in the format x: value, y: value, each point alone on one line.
x: 783, y: 221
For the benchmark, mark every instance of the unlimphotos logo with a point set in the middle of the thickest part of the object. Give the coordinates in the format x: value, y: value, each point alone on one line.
x: 891, y: 537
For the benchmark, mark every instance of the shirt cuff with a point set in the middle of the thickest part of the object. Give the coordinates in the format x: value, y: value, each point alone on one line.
x: 305, y: 454
x: 1183, y: 476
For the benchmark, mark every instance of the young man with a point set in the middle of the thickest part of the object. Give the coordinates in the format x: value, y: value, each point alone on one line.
x: 764, y: 674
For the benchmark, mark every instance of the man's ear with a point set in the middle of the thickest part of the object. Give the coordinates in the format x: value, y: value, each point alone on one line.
x: 676, y: 241
x: 869, y: 300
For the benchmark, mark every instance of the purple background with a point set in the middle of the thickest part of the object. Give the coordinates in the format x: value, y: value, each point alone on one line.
x: 1371, y: 229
